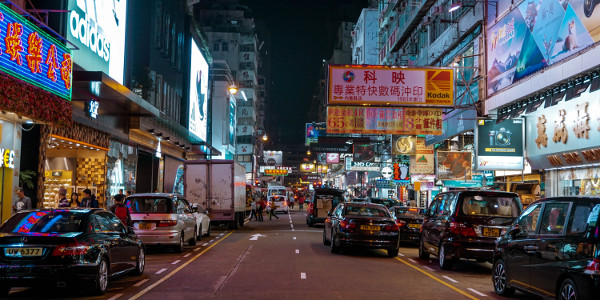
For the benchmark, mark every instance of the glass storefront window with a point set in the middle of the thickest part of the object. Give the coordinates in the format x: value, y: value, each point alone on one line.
x: 121, y: 168
x: 584, y: 182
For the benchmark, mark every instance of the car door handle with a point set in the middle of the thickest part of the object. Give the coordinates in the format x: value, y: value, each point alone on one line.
x: 530, y: 248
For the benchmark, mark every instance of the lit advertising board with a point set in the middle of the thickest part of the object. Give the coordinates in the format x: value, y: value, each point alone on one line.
x: 454, y: 165
x: 276, y: 172
x: 357, y: 85
x: 333, y: 158
x: 499, y: 146
x: 33, y: 56
x: 384, y: 120
x: 536, y: 35
x: 423, y: 160
x: 273, y: 158
x: 404, y: 145
x: 313, y: 131
x: 97, y: 28
x: 198, y: 117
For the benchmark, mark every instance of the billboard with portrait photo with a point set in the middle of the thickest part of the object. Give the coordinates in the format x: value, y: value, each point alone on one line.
x: 198, y: 116
x: 454, y: 165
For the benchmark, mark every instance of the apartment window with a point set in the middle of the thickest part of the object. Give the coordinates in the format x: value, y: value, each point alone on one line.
x: 224, y: 46
x: 216, y: 47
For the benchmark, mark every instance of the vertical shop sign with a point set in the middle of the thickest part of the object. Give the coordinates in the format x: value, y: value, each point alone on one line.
x: 423, y: 161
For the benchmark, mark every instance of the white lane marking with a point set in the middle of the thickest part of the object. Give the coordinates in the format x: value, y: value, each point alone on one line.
x: 302, y: 275
x: 221, y: 234
x: 176, y: 262
x: 256, y: 236
x: 428, y: 268
x: 203, y: 245
x: 294, y: 237
x: 187, y: 255
x: 477, y: 292
x: 217, y: 237
x: 141, y: 282
x: 293, y: 229
x: 115, y: 296
x: 400, y: 254
x: 412, y: 260
x: 161, y: 270
x: 450, y: 279
x: 292, y: 225
x: 211, y: 241
x: 297, y: 251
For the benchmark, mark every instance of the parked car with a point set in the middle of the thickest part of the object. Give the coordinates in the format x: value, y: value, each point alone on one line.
x: 361, y: 224
x: 202, y: 221
x: 551, y: 250
x: 163, y: 219
x: 67, y: 248
x: 410, y: 220
x: 360, y: 200
x: 466, y: 224
x: 388, y: 202
x: 321, y: 202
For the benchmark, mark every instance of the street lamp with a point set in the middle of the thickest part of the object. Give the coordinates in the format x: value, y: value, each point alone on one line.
x: 308, y: 152
x: 455, y: 6
x: 265, y: 137
x: 233, y: 89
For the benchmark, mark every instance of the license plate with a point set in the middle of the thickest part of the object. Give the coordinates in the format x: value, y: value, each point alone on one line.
x: 493, y: 232
x: 145, y: 226
x: 414, y: 225
x: 21, y: 252
x: 369, y: 227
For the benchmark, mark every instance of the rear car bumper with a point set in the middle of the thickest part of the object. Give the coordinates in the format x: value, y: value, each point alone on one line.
x: 409, y: 235
x: 31, y: 275
x: 471, y: 249
x: 170, y: 237
x: 376, y: 242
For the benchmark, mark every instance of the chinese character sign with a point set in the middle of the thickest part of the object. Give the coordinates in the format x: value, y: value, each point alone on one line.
x: 28, y: 53
x: 384, y: 120
x: 390, y: 86
x: 423, y: 161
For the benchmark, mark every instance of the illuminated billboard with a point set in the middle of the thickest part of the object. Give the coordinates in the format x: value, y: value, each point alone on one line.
x: 198, y: 112
x: 536, y: 35
x: 97, y: 28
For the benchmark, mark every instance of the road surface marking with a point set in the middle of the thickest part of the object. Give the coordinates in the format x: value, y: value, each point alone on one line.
x: 161, y: 270
x: 141, y: 282
x: 221, y: 234
x: 477, y: 292
x: 451, y: 279
x: 211, y: 241
x: 217, y: 237
x: 412, y: 260
x: 256, y: 236
x: 203, y: 245
x: 400, y: 254
x: 294, y: 237
x: 428, y: 268
x: 292, y: 225
x: 115, y: 296
x: 176, y: 262
x: 302, y: 275
x: 437, y: 279
x: 293, y: 229
x: 187, y: 255
x: 231, y: 272
x: 141, y: 293
x: 297, y: 251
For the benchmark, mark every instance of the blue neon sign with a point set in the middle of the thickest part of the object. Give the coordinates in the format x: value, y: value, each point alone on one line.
x: 30, y: 54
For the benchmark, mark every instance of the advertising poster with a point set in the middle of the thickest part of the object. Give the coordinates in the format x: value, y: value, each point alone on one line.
x: 198, y: 117
x: 404, y: 145
x: 423, y: 160
x: 499, y: 146
x: 537, y: 34
x: 454, y: 165
x: 273, y: 158
x: 357, y: 85
x: 364, y: 153
x: 333, y: 158
x: 313, y: 131
x: 97, y: 28
x: 384, y: 120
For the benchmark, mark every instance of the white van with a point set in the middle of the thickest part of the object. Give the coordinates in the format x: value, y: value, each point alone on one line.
x: 279, y: 195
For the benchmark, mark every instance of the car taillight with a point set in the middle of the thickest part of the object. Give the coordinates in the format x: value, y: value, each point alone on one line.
x: 462, y: 229
x: 593, y: 268
x: 310, y: 208
x: 394, y: 227
x: 71, y: 249
x: 167, y: 223
x: 346, y: 225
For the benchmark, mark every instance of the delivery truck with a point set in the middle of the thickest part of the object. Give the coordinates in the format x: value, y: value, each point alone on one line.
x: 218, y: 186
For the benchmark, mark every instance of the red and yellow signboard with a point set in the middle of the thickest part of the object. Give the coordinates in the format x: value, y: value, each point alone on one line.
x: 384, y: 120
x: 383, y: 85
x: 276, y: 172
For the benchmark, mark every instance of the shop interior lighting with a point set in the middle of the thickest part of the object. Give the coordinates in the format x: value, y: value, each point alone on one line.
x: 29, y: 122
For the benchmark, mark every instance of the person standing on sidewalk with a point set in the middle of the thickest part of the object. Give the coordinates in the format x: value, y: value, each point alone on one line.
x: 253, y: 213
x: 22, y: 203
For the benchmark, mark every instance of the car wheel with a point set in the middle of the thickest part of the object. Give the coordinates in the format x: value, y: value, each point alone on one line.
x: 4, y: 289
x: 334, y: 248
x: 392, y: 252
x: 325, y: 241
x: 208, y: 230
x: 499, y: 279
x: 141, y: 262
x: 423, y: 254
x: 192, y: 241
x: 102, y: 277
x: 445, y: 262
x: 179, y: 247
x: 199, y: 234
x: 568, y: 290
x: 309, y: 223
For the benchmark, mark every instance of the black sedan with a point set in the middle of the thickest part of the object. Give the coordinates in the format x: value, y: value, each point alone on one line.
x: 410, y: 220
x: 363, y: 225
x: 67, y: 248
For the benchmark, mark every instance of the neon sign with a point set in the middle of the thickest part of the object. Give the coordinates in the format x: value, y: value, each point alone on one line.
x: 28, y: 53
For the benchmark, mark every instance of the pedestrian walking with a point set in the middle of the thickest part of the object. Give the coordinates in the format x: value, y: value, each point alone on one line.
x: 261, y: 207
x: 301, y: 202
x: 292, y: 202
x: 253, y: 213
x: 120, y: 210
x: 22, y: 203
x: 62, y: 198
x: 271, y: 210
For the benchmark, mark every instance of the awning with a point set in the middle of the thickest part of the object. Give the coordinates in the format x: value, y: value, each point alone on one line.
x: 114, y: 98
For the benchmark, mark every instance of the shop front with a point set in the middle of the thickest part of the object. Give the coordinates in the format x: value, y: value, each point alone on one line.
x: 10, y: 148
x: 564, y: 141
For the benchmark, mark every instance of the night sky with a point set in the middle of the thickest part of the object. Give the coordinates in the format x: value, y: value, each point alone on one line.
x: 302, y: 33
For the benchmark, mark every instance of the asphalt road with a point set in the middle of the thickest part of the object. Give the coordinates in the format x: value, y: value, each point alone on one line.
x: 286, y: 259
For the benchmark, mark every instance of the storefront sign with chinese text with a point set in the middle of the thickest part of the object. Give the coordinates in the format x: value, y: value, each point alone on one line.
x: 380, y: 85
x: 384, y: 120
x: 423, y: 161
x: 28, y: 53
x: 276, y: 172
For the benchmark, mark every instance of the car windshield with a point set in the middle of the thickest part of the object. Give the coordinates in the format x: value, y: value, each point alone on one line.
x: 149, y: 205
x: 367, y: 211
x: 387, y: 202
x: 484, y: 205
x: 407, y: 211
x: 47, y: 221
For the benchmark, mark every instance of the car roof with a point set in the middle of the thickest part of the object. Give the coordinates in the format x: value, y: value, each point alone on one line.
x: 580, y: 199
x: 482, y: 191
x: 166, y: 195
x: 363, y: 204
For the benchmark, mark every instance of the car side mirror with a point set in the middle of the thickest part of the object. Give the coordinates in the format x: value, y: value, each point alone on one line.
x: 514, y: 232
x: 130, y: 230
